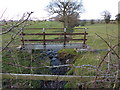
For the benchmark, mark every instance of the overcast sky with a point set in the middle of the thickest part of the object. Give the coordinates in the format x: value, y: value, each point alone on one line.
x: 15, y: 8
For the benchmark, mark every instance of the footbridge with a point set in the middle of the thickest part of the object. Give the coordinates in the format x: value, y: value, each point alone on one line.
x: 53, y: 38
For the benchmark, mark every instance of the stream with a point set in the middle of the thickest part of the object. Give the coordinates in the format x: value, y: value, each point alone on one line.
x: 54, y: 61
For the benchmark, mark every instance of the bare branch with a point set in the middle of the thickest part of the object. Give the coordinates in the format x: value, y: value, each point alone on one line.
x: 13, y: 37
x: 66, y: 65
x: 3, y: 13
x: 108, y: 45
x: 111, y: 49
x: 18, y: 24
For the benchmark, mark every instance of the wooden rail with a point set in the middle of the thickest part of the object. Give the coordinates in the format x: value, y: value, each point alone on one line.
x: 50, y: 28
x: 53, y: 40
x: 44, y: 34
x: 55, y: 34
x: 72, y: 78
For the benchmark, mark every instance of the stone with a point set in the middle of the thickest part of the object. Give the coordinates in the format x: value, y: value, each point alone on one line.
x: 51, y: 56
x: 55, y: 62
x: 56, y: 56
x: 48, y: 52
x: 53, y: 59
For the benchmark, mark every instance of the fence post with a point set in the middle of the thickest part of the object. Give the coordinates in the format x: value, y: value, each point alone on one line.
x: 64, y: 37
x: 44, y: 43
x: 84, y: 41
x: 22, y: 36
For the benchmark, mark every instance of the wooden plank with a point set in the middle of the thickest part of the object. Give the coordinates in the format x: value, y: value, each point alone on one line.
x: 55, y: 34
x: 49, y: 28
x: 52, y: 45
x: 54, y: 40
x: 72, y: 78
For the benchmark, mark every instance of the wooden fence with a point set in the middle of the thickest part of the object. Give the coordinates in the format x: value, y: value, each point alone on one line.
x: 44, y: 34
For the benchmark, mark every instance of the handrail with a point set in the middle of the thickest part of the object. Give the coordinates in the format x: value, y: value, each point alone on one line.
x: 52, y: 39
x: 54, y: 34
x: 44, y: 34
x: 49, y: 28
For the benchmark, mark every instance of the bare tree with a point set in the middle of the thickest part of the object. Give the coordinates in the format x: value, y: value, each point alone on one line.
x: 92, y: 21
x: 66, y: 9
x: 106, y: 14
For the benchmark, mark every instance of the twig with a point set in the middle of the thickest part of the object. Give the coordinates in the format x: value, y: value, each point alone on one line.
x: 104, y: 60
x: 111, y: 49
x: 107, y: 54
x: 109, y: 35
x: 3, y: 13
x: 108, y: 45
x: 18, y: 24
x: 67, y: 65
x: 13, y: 37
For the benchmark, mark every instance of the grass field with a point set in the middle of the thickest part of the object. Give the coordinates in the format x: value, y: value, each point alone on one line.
x: 109, y: 32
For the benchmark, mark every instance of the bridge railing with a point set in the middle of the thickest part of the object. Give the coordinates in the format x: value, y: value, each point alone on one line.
x: 44, y: 34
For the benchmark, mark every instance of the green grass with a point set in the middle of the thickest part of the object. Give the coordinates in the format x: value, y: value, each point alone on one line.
x: 108, y: 32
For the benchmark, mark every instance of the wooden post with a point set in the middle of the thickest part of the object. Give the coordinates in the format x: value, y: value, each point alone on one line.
x: 118, y: 86
x: 44, y: 43
x: 84, y: 42
x: 22, y: 36
x: 64, y: 37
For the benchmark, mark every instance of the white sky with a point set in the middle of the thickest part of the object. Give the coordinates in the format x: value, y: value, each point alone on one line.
x: 15, y: 8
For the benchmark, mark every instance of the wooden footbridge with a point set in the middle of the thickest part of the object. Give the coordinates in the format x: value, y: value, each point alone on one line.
x: 53, y: 38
